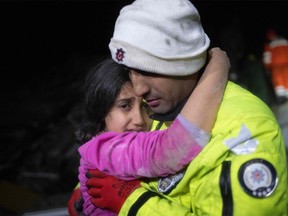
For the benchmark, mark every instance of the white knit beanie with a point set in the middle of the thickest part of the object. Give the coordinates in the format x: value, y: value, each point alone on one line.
x: 160, y: 36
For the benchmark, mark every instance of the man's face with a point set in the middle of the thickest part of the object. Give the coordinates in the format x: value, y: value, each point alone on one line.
x: 162, y: 93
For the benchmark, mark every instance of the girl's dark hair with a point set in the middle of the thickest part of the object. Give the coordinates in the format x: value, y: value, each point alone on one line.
x: 101, y: 88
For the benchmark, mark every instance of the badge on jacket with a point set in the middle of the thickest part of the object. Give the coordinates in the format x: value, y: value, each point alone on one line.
x: 258, y: 178
x: 166, y: 184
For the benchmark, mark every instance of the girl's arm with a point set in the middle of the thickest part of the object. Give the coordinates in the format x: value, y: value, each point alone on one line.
x: 203, y: 104
x: 160, y: 153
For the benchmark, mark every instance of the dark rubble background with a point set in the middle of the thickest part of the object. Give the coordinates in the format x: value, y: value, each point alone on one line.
x: 46, y: 47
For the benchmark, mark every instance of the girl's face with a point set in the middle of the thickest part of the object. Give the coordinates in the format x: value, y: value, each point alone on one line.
x: 129, y: 112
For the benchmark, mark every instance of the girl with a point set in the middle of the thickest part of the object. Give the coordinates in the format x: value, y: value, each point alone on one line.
x: 110, y: 105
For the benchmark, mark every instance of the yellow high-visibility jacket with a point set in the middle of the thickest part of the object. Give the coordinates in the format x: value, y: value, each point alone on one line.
x: 241, y: 171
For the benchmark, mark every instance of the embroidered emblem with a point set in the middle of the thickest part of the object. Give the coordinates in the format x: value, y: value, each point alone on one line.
x: 258, y: 178
x: 167, y: 183
x: 120, y: 55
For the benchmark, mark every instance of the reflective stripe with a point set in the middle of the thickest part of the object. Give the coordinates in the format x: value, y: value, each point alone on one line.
x: 141, y: 201
x: 225, y: 187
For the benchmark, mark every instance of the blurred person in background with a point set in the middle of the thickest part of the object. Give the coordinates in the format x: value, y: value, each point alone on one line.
x: 275, y: 59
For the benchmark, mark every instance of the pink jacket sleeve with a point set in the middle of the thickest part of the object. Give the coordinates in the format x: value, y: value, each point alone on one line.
x: 131, y: 155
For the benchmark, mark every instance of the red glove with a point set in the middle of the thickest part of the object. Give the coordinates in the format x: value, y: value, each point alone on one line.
x: 75, y: 203
x: 108, y: 192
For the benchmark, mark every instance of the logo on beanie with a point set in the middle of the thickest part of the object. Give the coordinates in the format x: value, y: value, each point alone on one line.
x: 120, y: 55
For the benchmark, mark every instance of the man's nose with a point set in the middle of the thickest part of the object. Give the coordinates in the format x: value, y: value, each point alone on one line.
x: 140, y: 84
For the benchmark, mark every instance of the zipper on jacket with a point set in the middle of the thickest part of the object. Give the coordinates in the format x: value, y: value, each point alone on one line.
x: 159, y: 125
x: 226, y: 191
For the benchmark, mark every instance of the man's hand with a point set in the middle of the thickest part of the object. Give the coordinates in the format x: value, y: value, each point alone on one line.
x: 108, y: 192
x: 75, y: 203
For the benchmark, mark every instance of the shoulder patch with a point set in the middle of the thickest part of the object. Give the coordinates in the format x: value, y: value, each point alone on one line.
x: 258, y: 178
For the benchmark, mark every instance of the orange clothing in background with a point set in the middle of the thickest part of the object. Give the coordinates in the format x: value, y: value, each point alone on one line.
x: 275, y: 59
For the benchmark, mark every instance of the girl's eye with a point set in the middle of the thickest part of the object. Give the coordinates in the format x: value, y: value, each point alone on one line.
x: 146, y: 106
x: 126, y: 107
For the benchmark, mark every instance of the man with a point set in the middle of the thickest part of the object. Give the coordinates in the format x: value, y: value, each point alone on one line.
x: 243, y: 169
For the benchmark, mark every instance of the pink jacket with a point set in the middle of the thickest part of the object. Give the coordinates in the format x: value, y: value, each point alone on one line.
x: 131, y: 155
